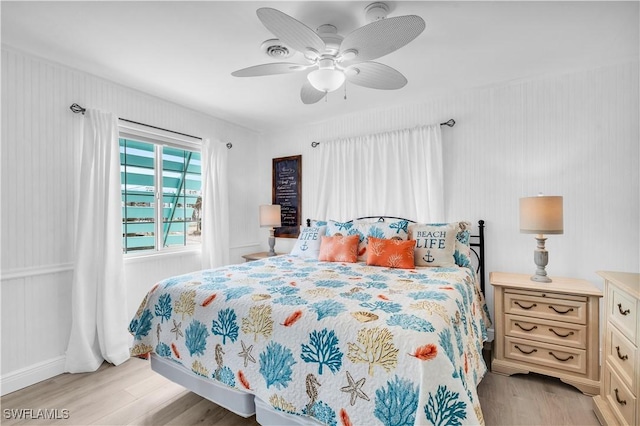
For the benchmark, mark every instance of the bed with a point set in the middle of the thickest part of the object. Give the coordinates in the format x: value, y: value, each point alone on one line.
x: 296, y: 340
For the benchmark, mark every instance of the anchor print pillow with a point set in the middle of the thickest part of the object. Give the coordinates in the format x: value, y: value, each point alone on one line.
x: 435, y: 244
x: 308, y: 243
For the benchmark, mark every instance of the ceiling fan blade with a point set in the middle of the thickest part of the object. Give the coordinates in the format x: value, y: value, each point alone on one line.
x: 309, y: 94
x: 381, y: 37
x: 375, y: 75
x: 269, y: 69
x: 290, y: 31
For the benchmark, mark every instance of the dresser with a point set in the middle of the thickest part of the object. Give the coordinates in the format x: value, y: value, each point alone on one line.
x: 547, y: 328
x: 618, y: 403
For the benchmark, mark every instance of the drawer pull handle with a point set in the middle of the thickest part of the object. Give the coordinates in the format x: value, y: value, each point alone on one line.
x: 625, y: 312
x: 622, y: 357
x: 525, y: 352
x: 561, y: 359
x: 561, y: 312
x: 526, y: 329
x: 525, y: 307
x: 561, y: 335
x: 620, y: 401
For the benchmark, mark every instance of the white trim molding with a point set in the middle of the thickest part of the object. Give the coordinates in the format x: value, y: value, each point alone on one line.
x: 32, y: 271
x: 32, y: 374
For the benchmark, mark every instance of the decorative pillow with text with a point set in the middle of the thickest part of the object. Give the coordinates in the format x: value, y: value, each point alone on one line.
x: 435, y: 244
x: 308, y: 243
x: 462, y: 251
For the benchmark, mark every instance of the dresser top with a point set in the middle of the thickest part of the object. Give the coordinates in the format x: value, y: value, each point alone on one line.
x: 558, y: 285
x: 628, y: 281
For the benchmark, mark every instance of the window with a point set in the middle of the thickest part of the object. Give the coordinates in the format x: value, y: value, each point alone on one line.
x: 161, y: 195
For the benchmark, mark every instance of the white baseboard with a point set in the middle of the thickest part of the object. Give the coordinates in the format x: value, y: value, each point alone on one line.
x: 33, y: 374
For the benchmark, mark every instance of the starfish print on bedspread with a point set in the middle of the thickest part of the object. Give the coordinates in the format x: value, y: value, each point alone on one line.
x: 246, y: 353
x: 176, y: 329
x: 354, y: 389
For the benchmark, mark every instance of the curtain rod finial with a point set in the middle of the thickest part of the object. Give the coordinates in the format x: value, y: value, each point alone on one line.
x: 77, y: 108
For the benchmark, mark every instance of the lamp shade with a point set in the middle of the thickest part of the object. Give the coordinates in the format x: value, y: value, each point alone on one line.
x: 326, y: 80
x: 541, y: 215
x: 270, y: 216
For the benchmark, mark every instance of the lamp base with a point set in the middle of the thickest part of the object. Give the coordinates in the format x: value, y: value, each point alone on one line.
x: 541, y: 278
x: 541, y: 258
x: 272, y: 243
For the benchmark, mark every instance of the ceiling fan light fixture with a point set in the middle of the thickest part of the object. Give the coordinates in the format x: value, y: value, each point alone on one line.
x: 326, y: 80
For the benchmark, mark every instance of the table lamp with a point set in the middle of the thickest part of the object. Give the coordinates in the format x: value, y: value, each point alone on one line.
x: 270, y: 218
x: 541, y: 215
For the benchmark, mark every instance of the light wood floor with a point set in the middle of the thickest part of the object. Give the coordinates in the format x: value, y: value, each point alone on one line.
x: 133, y: 394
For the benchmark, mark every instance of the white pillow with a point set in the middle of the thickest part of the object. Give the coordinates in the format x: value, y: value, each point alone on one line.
x: 308, y: 243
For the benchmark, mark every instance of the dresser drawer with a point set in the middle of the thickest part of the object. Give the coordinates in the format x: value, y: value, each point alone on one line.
x: 622, y: 355
x: 545, y: 307
x: 621, y: 400
x: 547, y: 331
x: 623, y: 311
x: 548, y: 355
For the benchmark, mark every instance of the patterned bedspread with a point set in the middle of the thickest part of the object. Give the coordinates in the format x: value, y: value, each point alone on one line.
x: 344, y: 343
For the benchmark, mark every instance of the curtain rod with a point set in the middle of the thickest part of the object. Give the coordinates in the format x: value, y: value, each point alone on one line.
x: 450, y: 123
x: 78, y: 109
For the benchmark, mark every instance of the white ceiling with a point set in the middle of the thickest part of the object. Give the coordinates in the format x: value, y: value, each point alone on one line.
x: 185, y: 51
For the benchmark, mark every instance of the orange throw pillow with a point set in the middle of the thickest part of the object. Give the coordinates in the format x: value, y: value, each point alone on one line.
x: 390, y: 253
x: 339, y: 249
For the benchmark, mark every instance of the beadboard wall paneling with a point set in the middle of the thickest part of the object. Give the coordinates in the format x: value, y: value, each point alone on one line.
x: 574, y: 135
x: 39, y: 164
x: 148, y: 271
x: 40, y: 142
x: 36, y: 320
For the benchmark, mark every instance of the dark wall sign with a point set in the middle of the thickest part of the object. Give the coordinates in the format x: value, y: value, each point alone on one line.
x: 287, y: 191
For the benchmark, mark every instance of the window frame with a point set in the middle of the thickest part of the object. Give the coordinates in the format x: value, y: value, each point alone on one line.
x: 159, y: 138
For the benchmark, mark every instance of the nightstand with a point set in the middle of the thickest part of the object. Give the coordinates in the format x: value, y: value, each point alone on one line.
x: 256, y: 256
x: 547, y: 328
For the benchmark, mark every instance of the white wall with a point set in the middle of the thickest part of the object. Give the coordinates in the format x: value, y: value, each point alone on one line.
x: 574, y: 135
x: 40, y: 137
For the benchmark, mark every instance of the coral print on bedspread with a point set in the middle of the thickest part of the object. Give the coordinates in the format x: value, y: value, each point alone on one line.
x: 348, y: 344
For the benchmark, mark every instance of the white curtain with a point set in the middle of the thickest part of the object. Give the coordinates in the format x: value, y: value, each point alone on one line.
x: 99, y: 311
x: 215, y: 205
x: 397, y: 173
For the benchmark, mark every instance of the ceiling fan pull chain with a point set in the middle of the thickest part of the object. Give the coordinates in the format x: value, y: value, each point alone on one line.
x: 345, y: 90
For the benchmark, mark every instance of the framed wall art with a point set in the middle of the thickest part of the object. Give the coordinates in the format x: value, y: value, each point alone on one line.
x: 287, y: 191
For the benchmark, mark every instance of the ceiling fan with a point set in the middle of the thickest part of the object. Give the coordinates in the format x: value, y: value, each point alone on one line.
x: 332, y: 58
